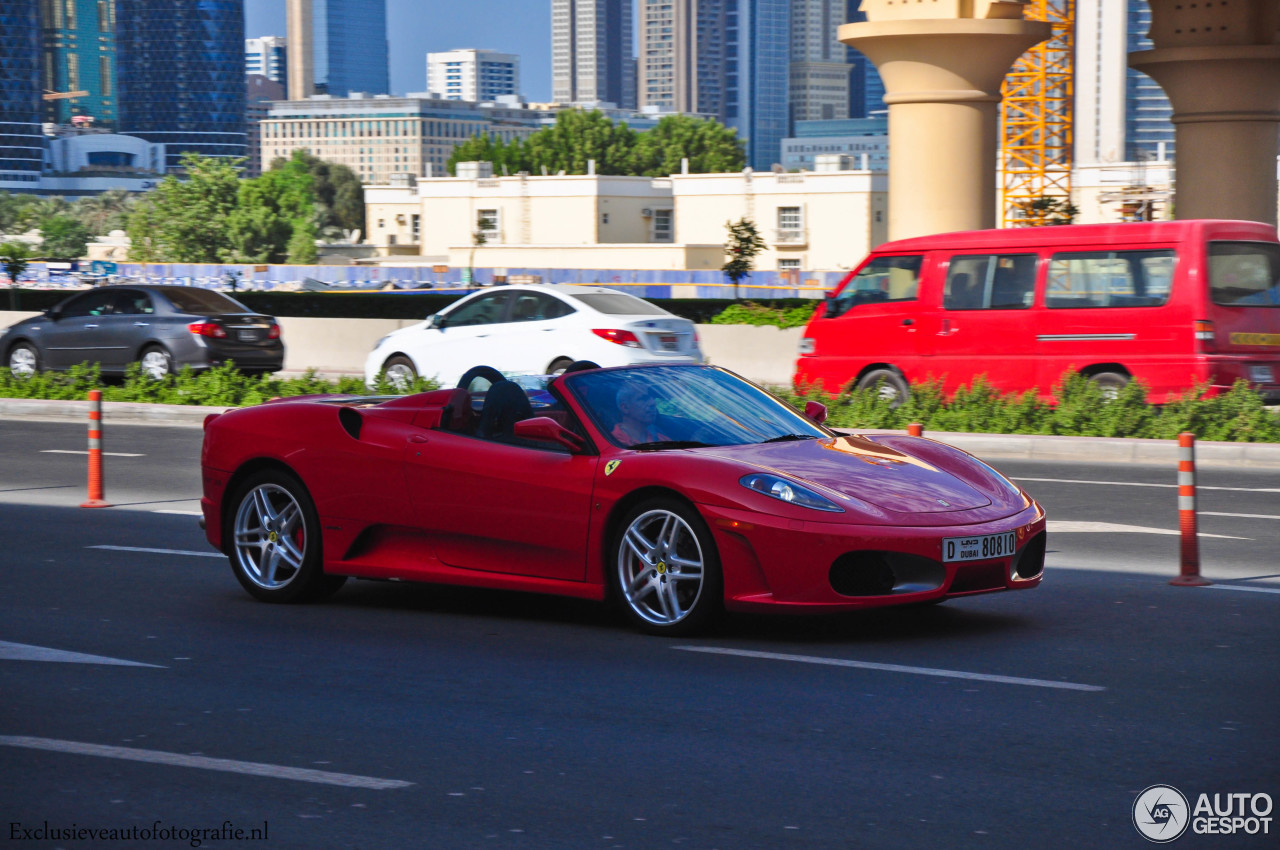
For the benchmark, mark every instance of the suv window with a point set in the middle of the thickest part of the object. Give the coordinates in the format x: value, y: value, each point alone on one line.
x: 92, y: 304
x: 1080, y: 279
x: 881, y: 280
x: 1244, y: 274
x: 990, y: 282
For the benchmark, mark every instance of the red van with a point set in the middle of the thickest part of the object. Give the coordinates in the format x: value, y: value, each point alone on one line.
x: 1170, y: 303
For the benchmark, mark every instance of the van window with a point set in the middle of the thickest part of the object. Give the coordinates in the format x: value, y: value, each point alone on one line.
x: 1109, y: 279
x: 990, y: 282
x: 1244, y: 274
x: 881, y: 280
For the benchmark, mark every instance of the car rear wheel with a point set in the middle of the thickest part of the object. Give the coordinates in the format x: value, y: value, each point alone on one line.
x: 892, y: 387
x: 400, y: 372
x: 24, y: 360
x: 665, y: 570
x: 156, y: 363
x: 558, y: 366
x: 274, y: 536
x: 1111, y: 383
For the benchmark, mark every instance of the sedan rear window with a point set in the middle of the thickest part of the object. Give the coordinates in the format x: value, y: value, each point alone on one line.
x: 195, y: 300
x: 619, y: 304
x: 1245, y: 274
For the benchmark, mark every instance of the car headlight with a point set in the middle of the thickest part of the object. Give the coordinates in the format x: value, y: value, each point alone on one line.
x: 784, y: 490
x: 381, y: 341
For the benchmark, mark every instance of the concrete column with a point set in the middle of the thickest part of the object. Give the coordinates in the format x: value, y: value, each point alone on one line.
x: 942, y: 80
x: 1220, y: 68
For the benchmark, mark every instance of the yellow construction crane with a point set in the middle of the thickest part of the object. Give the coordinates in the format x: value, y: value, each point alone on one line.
x: 1036, y: 137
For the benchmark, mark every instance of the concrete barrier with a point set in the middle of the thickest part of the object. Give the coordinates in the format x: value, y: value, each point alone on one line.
x: 766, y: 354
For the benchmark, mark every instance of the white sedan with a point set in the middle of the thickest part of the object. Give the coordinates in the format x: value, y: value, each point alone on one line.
x: 533, y: 329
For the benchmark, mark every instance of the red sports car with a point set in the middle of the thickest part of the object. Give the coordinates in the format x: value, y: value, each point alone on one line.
x: 676, y: 490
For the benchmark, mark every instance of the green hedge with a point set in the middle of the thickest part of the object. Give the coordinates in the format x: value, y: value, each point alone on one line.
x: 419, y: 305
x: 1081, y: 410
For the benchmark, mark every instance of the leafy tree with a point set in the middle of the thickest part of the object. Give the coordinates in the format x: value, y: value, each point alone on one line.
x: 39, y: 209
x: 64, y: 237
x: 269, y: 210
x: 14, y: 258
x: 743, y: 246
x: 338, y: 192
x: 12, y: 211
x: 186, y: 220
x: 105, y: 212
x: 1047, y: 210
x: 709, y: 146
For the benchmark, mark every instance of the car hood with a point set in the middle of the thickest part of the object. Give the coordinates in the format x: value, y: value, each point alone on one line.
x: 856, y: 467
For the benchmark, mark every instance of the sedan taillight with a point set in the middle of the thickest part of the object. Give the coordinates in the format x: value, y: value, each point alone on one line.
x: 274, y: 333
x: 208, y: 329
x: 618, y: 336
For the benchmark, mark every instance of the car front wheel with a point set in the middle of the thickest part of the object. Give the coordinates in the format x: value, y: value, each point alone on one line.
x: 275, y: 540
x: 400, y: 372
x: 665, y: 570
x: 24, y: 360
x: 156, y: 363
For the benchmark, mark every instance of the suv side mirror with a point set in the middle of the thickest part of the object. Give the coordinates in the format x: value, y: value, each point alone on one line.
x: 546, y: 428
x: 815, y: 411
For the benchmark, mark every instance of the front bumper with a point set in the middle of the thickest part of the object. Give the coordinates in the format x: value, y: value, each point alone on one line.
x: 772, y: 563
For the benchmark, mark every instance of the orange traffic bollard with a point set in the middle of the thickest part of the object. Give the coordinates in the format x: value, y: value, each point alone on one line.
x: 1190, y: 574
x: 95, y: 452
x: 915, y: 429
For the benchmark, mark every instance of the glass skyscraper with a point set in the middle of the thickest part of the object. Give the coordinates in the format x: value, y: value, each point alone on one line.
x: 757, y: 84
x: 80, y: 55
x: 180, y: 75
x: 866, y: 89
x: 21, y: 139
x: 350, y: 46
x: 1148, y: 115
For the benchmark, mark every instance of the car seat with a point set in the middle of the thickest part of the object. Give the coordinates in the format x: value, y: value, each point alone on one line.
x: 457, y: 414
x: 505, y: 404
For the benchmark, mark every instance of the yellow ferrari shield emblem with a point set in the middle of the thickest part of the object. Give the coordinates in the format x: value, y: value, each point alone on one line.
x: 611, y: 466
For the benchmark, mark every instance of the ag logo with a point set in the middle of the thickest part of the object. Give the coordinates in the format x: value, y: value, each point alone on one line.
x: 610, y: 467
x: 1161, y: 814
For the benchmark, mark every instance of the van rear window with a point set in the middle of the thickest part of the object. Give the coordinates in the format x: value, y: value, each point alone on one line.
x: 1080, y: 279
x: 881, y: 280
x: 1244, y: 274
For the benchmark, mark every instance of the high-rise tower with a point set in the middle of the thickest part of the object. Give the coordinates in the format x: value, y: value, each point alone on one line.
x: 757, y: 78
x: 591, y: 54
x: 79, y: 56
x: 337, y: 47
x: 21, y: 141
x: 820, y: 67
x: 682, y: 55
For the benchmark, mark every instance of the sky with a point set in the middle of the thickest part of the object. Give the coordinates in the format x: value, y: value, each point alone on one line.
x: 418, y: 27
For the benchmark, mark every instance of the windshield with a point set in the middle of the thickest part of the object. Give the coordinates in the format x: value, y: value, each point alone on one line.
x: 1245, y: 274
x: 684, y: 407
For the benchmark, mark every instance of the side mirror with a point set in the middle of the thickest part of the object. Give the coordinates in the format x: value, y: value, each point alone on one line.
x: 815, y: 411
x: 52, y: 314
x: 829, y: 294
x: 438, y: 321
x: 546, y: 428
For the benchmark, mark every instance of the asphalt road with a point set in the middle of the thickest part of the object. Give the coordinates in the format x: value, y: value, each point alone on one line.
x: 415, y: 716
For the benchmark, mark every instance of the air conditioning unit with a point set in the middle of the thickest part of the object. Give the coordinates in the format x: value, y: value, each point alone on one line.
x: 646, y: 212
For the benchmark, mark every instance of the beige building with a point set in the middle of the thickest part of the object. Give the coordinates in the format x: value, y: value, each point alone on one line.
x: 379, y: 136
x: 810, y: 221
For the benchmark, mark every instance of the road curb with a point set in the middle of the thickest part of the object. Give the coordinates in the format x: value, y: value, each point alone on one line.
x: 1100, y: 450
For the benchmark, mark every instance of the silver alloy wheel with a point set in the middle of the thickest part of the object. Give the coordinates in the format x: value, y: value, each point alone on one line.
x: 155, y: 364
x: 400, y: 376
x: 661, y: 568
x: 22, y: 362
x: 270, y: 536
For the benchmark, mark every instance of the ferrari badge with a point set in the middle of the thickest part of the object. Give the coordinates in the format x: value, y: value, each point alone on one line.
x: 611, y: 466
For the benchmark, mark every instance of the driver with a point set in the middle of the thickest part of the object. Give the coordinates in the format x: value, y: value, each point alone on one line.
x: 639, y: 411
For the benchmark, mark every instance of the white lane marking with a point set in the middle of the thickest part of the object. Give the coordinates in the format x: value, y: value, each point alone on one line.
x: 1141, y: 484
x: 250, y: 768
x: 1067, y: 526
x: 25, y: 652
x: 1242, y: 587
x: 85, y: 452
x: 159, y: 551
x: 180, y: 513
x: 891, y: 668
x: 1242, y: 516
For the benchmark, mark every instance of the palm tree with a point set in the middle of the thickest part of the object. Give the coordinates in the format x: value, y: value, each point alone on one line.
x: 14, y: 258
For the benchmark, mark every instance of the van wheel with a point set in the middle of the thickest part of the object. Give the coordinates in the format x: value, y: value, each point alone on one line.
x: 1111, y: 383
x: 892, y: 389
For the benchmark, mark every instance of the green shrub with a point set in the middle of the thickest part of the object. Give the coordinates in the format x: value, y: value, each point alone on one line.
x: 752, y: 313
x: 223, y: 386
x: 1081, y: 409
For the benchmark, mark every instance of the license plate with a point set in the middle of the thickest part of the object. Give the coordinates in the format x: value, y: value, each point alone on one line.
x: 669, y: 342
x: 980, y: 548
x: 246, y: 336
x: 1262, y: 375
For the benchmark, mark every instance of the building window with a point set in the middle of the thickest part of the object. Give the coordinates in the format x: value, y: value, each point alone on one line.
x: 789, y: 265
x: 416, y: 225
x: 663, y: 226
x: 487, y: 224
x: 790, y: 224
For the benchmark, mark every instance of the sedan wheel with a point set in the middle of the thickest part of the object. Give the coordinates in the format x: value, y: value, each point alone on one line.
x: 156, y: 364
x: 23, y: 361
x: 275, y: 542
x: 400, y: 373
x: 666, y: 571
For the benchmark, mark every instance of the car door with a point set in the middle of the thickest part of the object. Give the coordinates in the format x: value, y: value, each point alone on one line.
x: 125, y: 329
x: 74, y: 337
x: 538, y: 332
x: 502, y: 508
x: 462, y: 337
